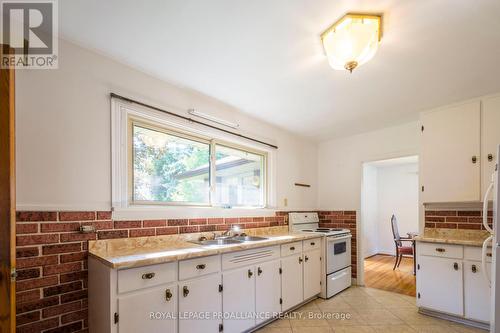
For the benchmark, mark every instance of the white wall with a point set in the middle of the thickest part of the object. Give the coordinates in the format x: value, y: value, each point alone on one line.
x: 397, y: 192
x: 63, y: 132
x: 369, y: 211
x: 389, y: 189
x: 340, y: 162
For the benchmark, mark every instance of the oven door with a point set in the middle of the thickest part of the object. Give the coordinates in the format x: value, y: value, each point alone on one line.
x: 338, y: 253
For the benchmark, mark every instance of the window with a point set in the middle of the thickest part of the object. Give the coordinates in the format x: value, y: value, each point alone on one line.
x: 173, y: 167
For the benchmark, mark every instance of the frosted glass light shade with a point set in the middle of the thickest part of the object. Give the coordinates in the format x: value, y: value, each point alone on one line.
x: 352, y: 41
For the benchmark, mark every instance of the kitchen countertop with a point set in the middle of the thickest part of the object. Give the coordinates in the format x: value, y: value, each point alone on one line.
x: 141, y: 251
x: 453, y: 236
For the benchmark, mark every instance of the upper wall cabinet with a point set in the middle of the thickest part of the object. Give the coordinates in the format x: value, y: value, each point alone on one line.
x: 490, y: 138
x: 450, y: 157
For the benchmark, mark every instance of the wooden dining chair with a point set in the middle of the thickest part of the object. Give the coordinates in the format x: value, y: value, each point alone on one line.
x: 398, y: 241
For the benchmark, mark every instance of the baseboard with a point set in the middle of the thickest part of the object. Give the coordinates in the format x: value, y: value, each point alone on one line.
x: 455, y: 319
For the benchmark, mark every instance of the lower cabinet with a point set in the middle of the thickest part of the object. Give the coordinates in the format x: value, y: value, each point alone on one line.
x: 312, y: 273
x: 292, y: 281
x: 198, y: 297
x: 450, y: 280
x: 439, y: 284
x: 267, y: 290
x: 151, y: 311
x: 238, y: 298
x: 232, y: 292
x: 477, y: 291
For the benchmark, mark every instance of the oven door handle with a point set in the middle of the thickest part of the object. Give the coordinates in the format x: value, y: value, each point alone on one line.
x: 333, y: 239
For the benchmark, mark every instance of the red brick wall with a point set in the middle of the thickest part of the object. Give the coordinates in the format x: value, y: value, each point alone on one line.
x: 52, y: 260
x: 456, y: 219
x: 343, y: 219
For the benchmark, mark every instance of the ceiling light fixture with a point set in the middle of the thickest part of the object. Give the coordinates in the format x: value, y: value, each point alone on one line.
x: 352, y: 40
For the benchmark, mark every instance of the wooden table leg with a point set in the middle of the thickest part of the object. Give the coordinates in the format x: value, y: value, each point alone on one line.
x: 414, y: 257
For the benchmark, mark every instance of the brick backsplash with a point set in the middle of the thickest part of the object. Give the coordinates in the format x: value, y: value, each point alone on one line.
x: 456, y: 219
x: 52, y: 257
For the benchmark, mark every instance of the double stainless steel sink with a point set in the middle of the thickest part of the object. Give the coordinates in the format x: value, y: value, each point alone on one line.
x: 229, y: 240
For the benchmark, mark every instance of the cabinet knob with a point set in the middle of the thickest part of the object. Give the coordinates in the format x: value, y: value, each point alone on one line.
x: 292, y: 248
x: 300, y: 260
x: 259, y: 271
x: 168, y: 295
x: 312, y: 243
x: 488, y: 254
x: 455, y: 266
x: 474, y: 269
x: 306, y: 258
x: 148, y: 276
x: 185, y: 291
x: 440, y: 249
x: 201, y: 266
x: 250, y: 273
x: 490, y: 157
x: 474, y: 159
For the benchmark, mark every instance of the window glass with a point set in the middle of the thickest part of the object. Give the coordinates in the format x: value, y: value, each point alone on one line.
x: 169, y: 168
x: 239, y: 177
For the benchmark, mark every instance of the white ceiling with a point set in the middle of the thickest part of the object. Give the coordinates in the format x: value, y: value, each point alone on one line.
x: 265, y: 57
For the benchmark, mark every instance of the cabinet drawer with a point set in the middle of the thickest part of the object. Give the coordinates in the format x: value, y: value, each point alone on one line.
x: 249, y: 257
x: 474, y: 253
x: 198, y: 266
x: 440, y: 250
x: 147, y: 276
x: 311, y: 244
x: 291, y: 248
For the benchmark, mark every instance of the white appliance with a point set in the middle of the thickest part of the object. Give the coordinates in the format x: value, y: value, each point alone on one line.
x: 494, y: 239
x: 336, y: 249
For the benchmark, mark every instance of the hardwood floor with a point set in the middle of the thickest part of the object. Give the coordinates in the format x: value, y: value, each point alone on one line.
x: 379, y: 274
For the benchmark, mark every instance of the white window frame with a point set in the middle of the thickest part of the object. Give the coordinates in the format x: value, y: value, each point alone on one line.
x: 123, y: 113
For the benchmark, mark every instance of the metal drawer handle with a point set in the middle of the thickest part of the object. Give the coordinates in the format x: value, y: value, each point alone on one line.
x: 306, y: 258
x: 312, y: 243
x: 250, y: 273
x: 201, y: 266
x: 488, y: 254
x: 455, y: 266
x: 148, y: 276
x: 474, y: 269
x: 259, y: 271
x: 440, y: 249
x: 292, y: 248
x: 185, y: 291
x: 168, y: 295
x: 300, y: 260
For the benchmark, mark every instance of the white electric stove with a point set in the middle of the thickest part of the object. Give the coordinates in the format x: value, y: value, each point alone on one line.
x: 336, y: 247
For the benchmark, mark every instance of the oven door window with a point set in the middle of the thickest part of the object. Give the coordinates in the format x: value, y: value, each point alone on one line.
x: 339, y: 248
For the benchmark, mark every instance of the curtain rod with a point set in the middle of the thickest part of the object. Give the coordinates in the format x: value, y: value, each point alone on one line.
x: 192, y: 120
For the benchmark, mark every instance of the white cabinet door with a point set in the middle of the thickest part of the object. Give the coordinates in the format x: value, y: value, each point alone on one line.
x: 267, y: 290
x: 490, y: 138
x: 450, y: 141
x: 238, y: 297
x: 477, y: 292
x: 135, y: 311
x: 312, y: 273
x: 196, y: 297
x: 292, y: 281
x: 440, y: 284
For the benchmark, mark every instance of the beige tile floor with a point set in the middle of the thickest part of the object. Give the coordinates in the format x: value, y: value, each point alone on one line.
x: 365, y: 310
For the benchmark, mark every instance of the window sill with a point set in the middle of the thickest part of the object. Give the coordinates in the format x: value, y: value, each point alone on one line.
x: 185, y: 212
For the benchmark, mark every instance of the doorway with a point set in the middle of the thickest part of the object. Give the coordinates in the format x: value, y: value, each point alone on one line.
x: 390, y: 187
